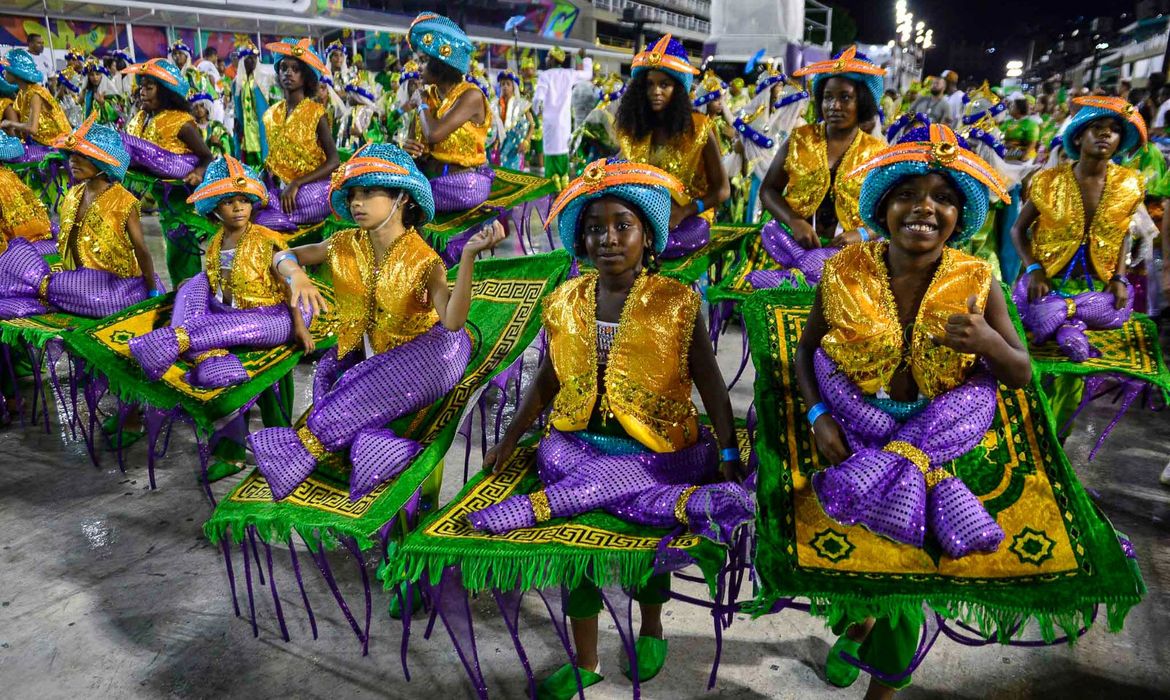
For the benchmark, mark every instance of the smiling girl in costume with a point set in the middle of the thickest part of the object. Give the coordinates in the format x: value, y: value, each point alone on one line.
x: 624, y: 345
x: 899, y: 360
x: 400, y: 341
x: 657, y: 125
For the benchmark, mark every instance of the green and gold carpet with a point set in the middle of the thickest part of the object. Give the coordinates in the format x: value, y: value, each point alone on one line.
x: 1132, y: 350
x: 510, y: 188
x: 1060, y: 557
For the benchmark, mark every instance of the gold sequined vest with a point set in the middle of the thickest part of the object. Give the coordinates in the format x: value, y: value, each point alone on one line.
x: 162, y: 129
x: 52, y: 122
x: 467, y: 145
x: 22, y: 214
x: 1060, y: 228
x: 865, y: 338
x: 807, y: 164
x: 682, y: 157
x: 250, y: 280
x: 647, y: 379
x: 293, y: 150
x: 100, y: 240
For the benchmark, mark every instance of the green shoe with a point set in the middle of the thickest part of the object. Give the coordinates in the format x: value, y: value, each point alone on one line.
x: 222, y: 468
x: 838, y: 671
x: 562, y: 685
x: 396, y: 605
x: 651, y: 653
x: 119, y: 438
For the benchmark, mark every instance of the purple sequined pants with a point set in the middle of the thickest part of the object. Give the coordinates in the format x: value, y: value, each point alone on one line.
x: 312, y: 207
x: 1065, y: 319
x: 784, y: 249
x: 691, y: 234
x: 83, y: 292
x: 879, y: 487
x: 463, y: 190
x: 642, y: 488
x: 211, y: 326
x: 353, y: 412
x: 156, y: 160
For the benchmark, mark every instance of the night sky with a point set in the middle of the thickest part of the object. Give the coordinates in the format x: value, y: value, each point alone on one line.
x: 1007, y: 24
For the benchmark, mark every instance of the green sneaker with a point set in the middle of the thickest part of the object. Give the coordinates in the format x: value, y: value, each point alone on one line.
x: 651, y: 658
x: 222, y: 468
x: 416, y: 603
x: 118, y: 437
x: 838, y: 671
x: 562, y: 685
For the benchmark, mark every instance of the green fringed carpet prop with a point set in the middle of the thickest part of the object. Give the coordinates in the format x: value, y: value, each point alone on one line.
x: 510, y: 188
x: 1059, y: 560
x: 724, y: 238
x: 503, y: 321
x: 39, y: 340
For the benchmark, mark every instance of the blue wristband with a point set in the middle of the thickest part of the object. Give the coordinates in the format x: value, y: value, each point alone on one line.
x: 154, y: 293
x: 864, y: 234
x: 816, y: 412
x: 729, y: 454
x: 286, y: 255
x: 1032, y: 268
x: 700, y: 206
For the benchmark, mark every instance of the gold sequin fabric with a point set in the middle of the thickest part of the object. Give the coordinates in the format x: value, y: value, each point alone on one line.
x: 5, y: 103
x: 314, y: 445
x: 182, y: 339
x: 161, y: 128
x: 865, y: 338
x: 807, y: 165
x: 52, y: 122
x: 250, y: 282
x: 99, y: 240
x: 1060, y: 228
x: 682, y: 157
x: 541, y: 510
x: 916, y: 456
x: 203, y: 357
x: 293, y: 149
x: 467, y: 145
x: 647, y: 382
x: 680, y: 506
x: 22, y: 214
x: 389, y: 302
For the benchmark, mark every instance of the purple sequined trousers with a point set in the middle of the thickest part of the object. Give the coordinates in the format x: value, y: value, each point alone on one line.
x: 641, y: 488
x: 1049, y: 318
x: 83, y: 292
x: 156, y: 160
x: 885, y: 491
x: 312, y: 207
x: 211, y: 325
x: 463, y: 190
x: 784, y: 249
x: 691, y: 234
x: 353, y: 412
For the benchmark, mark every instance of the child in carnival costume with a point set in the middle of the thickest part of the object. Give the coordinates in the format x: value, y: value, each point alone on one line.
x: 360, y: 124
x: 208, y: 113
x: 656, y: 109
x: 238, y: 301
x: 106, y: 265
x: 808, y: 187
x: 22, y: 213
x: 162, y: 138
x: 623, y: 438
x: 451, y: 129
x: 596, y: 137
x: 400, y: 119
x: 37, y: 118
x: 329, y: 96
x: 101, y: 95
x: 250, y: 102
x: 337, y: 59
x: 401, y: 343
x: 514, y: 113
x: 69, y: 96
x: 900, y: 360
x: 302, y: 153
x: 1073, y: 237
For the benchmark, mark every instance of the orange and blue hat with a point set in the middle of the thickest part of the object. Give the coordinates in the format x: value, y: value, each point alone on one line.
x: 100, y: 144
x: 847, y: 64
x: 668, y: 56
x: 166, y: 73
x: 300, y: 49
x: 227, y: 177
x: 1092, y: 108
x: 440, y: 38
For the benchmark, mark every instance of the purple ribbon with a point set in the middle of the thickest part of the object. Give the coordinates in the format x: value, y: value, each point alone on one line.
x: 156, y: 160
x: 788, y: 253
x: 691, y: 234
x: 312, y: 207
x: 463, y: 190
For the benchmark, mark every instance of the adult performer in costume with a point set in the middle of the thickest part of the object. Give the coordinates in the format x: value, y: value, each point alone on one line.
x: 1073, y: 237
x: 401, y: 344
x: 657, y: 125
x: 38, y: 119
x: 623, y: 438
x: 809, y: 188
x: 301, y: 151
x: 250, y: 103
x: 899, y: 361
x: 238, y: 301
x: 451, y: 128
x: 100, y: 94
x: 515, y: 114
x: 105, y: 264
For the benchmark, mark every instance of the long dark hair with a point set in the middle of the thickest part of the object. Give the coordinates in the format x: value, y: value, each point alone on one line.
x: 635, y: 117
x: 866, y: 108
x: 444, y: 73
x: 168, y: 99
x: 649, y: 256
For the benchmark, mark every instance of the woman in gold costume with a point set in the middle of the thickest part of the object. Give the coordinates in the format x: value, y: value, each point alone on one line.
x: 37, y: 117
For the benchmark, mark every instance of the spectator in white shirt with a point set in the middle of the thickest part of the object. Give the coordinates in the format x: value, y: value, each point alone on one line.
x: 954, y: 97
x: 207, y: 65
x: 42, y: 57
x: 551, y: 99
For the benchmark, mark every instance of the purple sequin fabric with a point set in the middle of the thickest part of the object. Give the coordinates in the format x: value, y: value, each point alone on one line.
x: 83, y: 292
x: 463, y: 190
x: 156, y: 160
x: 1050, y: 318
x: 312, y: 207
x: 34, y: 153
x: 353, y: 413
x: 211, y: 325
x: 885, y: 491
x: 787, y: 252
x: 691, y: 234
x: 641, y: 488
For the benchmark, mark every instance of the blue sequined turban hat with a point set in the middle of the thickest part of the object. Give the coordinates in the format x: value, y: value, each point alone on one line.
x: 380, y: 165
x: 100, y: 144
x: 227, y: 177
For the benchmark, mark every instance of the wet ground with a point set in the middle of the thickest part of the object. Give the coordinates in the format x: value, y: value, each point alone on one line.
x: 109, y: 589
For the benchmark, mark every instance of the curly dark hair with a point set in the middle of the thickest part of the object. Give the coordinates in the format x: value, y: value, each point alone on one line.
x: 649, y: 257
x: 866, y: 108
x: 413, y: 215
x: 307, y: 75
x: 444, y: 73
x: 168, y: 99
x: 635, y: 117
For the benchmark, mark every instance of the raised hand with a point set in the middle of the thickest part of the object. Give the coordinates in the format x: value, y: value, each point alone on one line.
x: 967, y: 332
